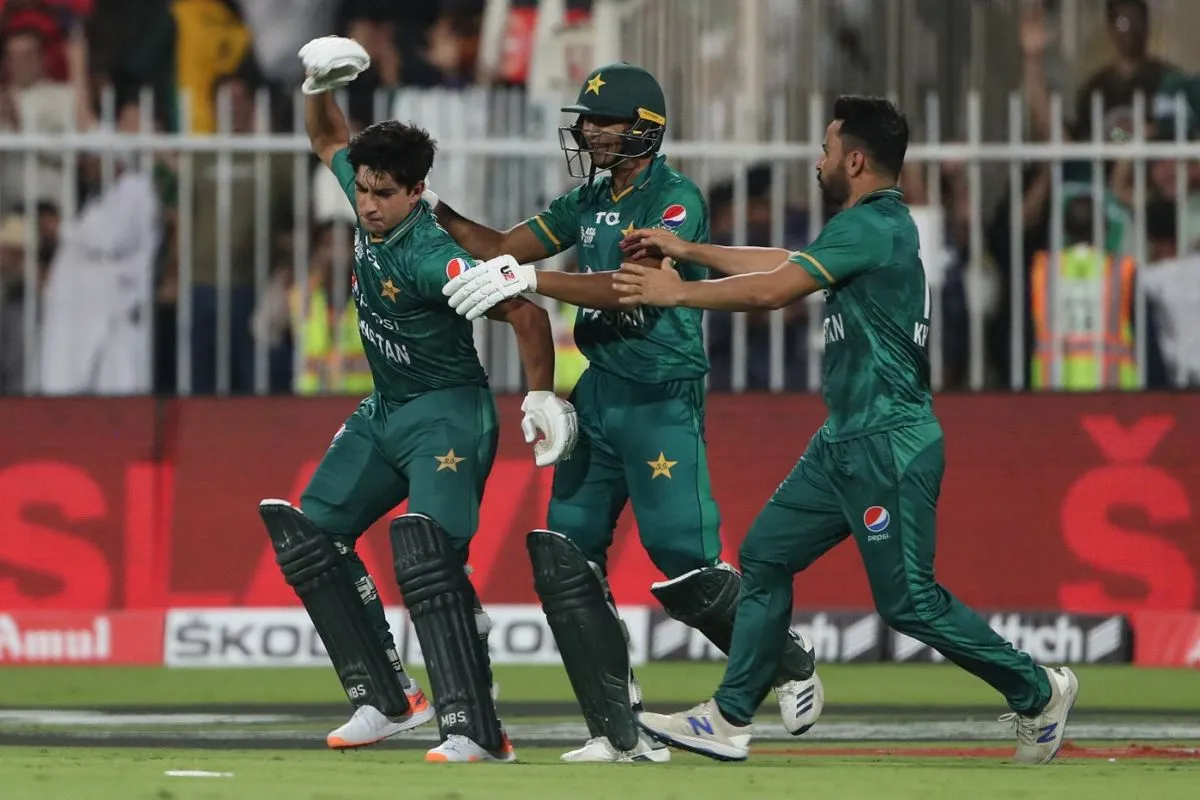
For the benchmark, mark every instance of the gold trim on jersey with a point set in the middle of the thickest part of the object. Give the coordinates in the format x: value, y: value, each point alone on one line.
x: 546, y: 230
x: 816, y: 264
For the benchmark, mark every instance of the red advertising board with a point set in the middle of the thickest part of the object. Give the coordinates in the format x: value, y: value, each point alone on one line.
x: 81, y: 637
x: 1085, y: 503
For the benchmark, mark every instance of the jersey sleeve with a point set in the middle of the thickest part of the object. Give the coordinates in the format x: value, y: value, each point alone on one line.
x: 557, y: 228
x: 436, y: 269
x: 340, y: 166
x: 844, y: 248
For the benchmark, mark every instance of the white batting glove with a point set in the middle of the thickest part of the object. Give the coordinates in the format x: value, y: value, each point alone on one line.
x: 478, y: 290
x: 555, y: 420
x: 331, y: 62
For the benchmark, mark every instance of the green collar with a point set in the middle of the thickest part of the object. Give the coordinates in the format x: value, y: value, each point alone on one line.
x: 640, y: 180
x: 406, y: 225
x: 894, y: 192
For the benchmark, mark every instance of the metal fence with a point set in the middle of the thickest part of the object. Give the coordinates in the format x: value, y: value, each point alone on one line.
x: 501, y: 167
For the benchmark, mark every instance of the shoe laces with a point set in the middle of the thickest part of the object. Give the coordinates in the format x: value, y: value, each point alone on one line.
x: 456, y: 741
x: 1024, y: 727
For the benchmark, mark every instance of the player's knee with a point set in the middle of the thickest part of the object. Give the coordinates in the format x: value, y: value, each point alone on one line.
x: 677, y: 558
x: 909, y: 608
x: 322, y: 515
x: 583, y: 526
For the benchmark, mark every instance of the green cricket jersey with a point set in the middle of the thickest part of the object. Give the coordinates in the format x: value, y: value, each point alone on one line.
x: 414, y: 341
x: 876, y: 317
x: 647, y: 345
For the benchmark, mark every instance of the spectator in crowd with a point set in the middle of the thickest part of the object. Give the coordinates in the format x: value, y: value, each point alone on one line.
x: 31, y: 101
x: 1133, y: 70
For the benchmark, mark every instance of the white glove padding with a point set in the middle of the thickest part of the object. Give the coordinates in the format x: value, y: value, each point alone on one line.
x: 479, y: 289
x: 555, y: 419
x: 331, y: 62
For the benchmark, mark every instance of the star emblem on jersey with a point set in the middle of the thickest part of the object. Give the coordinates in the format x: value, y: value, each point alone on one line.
x: 389, y: 290
x: 594, y: 84
x: 449, y: 461
x: 627, y: 231
x: 661, y: 467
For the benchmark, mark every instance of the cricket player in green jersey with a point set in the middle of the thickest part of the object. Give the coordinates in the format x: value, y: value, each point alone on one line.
x: 641, y: 412
x: 874, y: 469
x: 427, y: 433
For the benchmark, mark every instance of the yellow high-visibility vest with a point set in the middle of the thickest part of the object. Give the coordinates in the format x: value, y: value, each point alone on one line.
x: 1089, y: 316
x: 324, y: 370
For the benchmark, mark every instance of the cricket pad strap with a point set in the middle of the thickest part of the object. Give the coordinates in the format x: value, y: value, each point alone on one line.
x: 441, y: 605
x: 707, y: 598
x: 589, y: 635
x: 316, y: 571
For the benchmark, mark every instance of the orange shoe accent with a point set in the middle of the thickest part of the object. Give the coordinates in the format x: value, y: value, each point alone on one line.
x: 436, y: 757
x: 338, y: 743
x: 417, y: 702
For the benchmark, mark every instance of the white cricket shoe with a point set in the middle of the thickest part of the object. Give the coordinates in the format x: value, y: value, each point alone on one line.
x: 369, y: 725
x: 801, y: 701
x: 700, y: 730
x: 458, y: 748
x: 800, y: 704
x: 1040, y: 735
x: 599, y: 750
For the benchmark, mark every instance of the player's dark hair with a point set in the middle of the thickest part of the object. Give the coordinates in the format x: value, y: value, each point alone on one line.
x: 876, y: 126
x: 405, y: 152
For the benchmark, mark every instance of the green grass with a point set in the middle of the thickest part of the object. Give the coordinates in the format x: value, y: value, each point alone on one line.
x: 916, y: 685
x: 100, y: 774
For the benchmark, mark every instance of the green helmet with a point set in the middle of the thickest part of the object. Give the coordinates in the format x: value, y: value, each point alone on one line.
x: 616, y: 93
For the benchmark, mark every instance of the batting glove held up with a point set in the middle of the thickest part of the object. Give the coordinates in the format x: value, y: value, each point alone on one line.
x: 331, y: 62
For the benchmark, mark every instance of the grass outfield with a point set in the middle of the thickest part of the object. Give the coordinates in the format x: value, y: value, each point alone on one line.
x: 99, y: 774
x: 846, y: 686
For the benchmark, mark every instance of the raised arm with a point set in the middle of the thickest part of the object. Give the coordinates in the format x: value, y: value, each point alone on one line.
x: 656, y: 243
x: 326, y: 126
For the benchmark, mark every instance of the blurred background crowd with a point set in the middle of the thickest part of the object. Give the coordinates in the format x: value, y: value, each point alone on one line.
x: 125, y: 272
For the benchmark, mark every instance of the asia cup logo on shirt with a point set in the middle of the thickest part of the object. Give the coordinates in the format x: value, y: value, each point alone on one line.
x: 456, y: 267
x: 876, y: 519
x: 674, y: 216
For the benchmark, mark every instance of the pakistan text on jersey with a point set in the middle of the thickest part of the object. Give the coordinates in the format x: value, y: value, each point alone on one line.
x: 835, y: 328
x: 395, y: 352
x: 617, y: 319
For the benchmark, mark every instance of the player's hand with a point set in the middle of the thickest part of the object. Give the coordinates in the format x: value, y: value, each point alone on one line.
x: 331, y: 62
x: 555, y: 420
x: 478, y: 290
x: 653, y: 243
x: 648, y: 286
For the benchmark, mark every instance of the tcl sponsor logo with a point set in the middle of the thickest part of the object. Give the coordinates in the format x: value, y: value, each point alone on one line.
x: 1166, y: 639
x: 836, y: 637
x: 1046, y: 637
x: 80, y: 638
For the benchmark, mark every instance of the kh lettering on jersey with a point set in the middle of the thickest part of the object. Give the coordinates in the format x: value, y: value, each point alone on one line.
x: 876, y: 326
x: 414, y: 342
x: 648, y: 345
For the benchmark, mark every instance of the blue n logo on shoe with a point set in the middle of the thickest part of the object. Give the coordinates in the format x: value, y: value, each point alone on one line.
x: 701, y: 725
x: 1048, y: 733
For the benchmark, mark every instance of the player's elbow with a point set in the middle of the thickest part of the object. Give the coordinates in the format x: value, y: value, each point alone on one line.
x: 772, y: 297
